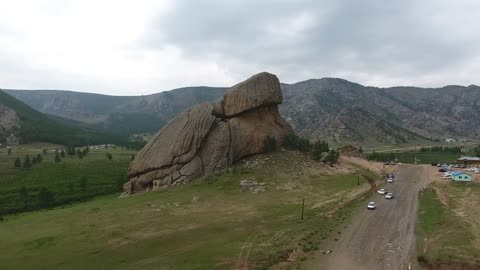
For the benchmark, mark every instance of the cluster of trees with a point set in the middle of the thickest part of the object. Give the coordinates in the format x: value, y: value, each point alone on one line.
x: 46, y: 198
x: 476, y: 151
x: 319, y: 150
x: 381, y: 156
x: 71, y: 151
x: 27, y: 162
x: 454, y: 149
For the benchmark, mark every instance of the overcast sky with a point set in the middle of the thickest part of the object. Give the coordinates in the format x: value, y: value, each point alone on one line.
x: 145, y: 46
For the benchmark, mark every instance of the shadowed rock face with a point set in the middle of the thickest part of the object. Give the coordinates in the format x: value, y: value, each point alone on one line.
x: 9, y: 125
x: 209, y: 137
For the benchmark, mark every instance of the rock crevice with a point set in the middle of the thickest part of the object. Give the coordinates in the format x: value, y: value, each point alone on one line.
x: 209, y: 137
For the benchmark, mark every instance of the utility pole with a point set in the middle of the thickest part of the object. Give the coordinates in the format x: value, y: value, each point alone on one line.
x: 303, y: 207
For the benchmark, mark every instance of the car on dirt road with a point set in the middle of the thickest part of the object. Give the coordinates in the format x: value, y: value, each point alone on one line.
x: 382, y: 191
x: 390, y: 180
x: 371, y: 205
x: 389, y: 196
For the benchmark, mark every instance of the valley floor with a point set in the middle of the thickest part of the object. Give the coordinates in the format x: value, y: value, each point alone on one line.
x: 208, y: 224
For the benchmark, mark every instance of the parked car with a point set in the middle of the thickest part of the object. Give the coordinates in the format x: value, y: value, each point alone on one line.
x: 447, y: 176
x: 371, y: 205
x: 471, y: 169
x: 439, y: 165
x: 456, y: 166
x: 463, y: 166
x: 382, y: 191
x: 389, y: 196
x: 442, y: 170
x: 390, y: 180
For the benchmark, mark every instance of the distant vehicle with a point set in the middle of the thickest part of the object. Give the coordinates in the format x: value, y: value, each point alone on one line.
x: 390, y: 175
x: 399, y: 163
x: 463, y: 166
x: 443, y: 170
x: 448, y: 173
x: 382, y: 191
x: 371, y: 205
x: 389, y: 196
x: 456, y: 166
x: 439, y: 165
x: 390, y: 180
x: 447, y: 176
x: 472, y: 169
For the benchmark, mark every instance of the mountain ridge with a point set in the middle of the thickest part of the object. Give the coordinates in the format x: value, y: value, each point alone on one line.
x: 309, y: 107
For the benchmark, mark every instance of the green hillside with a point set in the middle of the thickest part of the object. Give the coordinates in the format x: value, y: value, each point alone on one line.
x: 37, y: 127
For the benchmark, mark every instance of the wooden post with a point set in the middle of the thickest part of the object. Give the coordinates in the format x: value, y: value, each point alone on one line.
x: 303, y: 207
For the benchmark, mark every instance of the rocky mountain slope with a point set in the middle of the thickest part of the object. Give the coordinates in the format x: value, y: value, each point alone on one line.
x: 9, y: 125
x: 209, y: 137
x: 19, y: 123
x: 328, y: 108
x: 120, y: 114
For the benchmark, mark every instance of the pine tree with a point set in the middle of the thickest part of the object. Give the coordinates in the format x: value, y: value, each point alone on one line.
x: 108, y: 156
x: 23, y: 192
x: 57, y: 157
x: 39, y: 158
x: 62, y: 153
x: 45, y: 197
x: 83, y: 183
x: 27, y: 164
x: 9, y: 151
x: 44, y: 151
x: 18, y: 163
x: 34, y: 160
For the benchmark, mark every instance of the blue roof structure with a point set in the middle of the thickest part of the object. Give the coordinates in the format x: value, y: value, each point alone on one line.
x: 457, y: 173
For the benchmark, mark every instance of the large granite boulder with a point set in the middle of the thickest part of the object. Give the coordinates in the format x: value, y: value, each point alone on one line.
x: 209, y: 137
x: 260, y: 90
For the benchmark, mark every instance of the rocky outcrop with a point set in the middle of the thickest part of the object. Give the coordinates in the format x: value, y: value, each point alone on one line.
x: 9, y: 125
x: 209, y: 137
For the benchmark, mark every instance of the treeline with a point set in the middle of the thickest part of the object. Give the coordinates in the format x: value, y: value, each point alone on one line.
x: 319, y: 150
x: 36, y: 198
x: 381, y: 156
x: 453, y: 149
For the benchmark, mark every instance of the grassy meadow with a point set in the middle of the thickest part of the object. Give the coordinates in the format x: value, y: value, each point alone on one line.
x: 72, y: 179
x: 448, y: 226
x: 206, y: 224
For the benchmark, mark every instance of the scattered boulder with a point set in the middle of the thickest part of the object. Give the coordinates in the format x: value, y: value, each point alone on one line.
x: 210, y: 137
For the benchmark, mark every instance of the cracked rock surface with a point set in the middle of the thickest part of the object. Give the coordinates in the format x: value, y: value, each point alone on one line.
x: 209, y: 137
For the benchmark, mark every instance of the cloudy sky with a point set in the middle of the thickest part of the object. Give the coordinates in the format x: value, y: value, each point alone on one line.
x: 144, y: 46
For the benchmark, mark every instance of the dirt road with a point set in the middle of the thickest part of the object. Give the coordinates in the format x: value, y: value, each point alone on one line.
x: 382, y: 238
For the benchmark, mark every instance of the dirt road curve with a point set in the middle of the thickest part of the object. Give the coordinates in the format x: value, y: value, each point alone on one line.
x: 382, y: 238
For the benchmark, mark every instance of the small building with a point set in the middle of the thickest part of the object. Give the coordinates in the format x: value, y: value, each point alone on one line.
x: 461, y: 177
x: 469, y: 161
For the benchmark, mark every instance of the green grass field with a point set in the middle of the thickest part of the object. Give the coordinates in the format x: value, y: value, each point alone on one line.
x: 73, y: 179
x: 448, y: 226
x: 207, y: 224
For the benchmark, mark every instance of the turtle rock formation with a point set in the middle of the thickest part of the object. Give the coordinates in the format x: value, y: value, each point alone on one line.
x: 209, y: 137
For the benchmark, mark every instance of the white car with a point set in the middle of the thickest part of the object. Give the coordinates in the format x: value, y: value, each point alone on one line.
x: 389, y: 196
x: 472, y: 169
x: 382, y: 191
x: 371, y: 205
x: 390, y: 180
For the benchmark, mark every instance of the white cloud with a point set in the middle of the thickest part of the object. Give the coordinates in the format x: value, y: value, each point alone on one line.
x: 144, y: 46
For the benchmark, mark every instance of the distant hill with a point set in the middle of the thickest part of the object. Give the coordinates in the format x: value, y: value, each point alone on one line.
x: 21, y: 123
x: 119, y: 114
x: 330, y: 108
